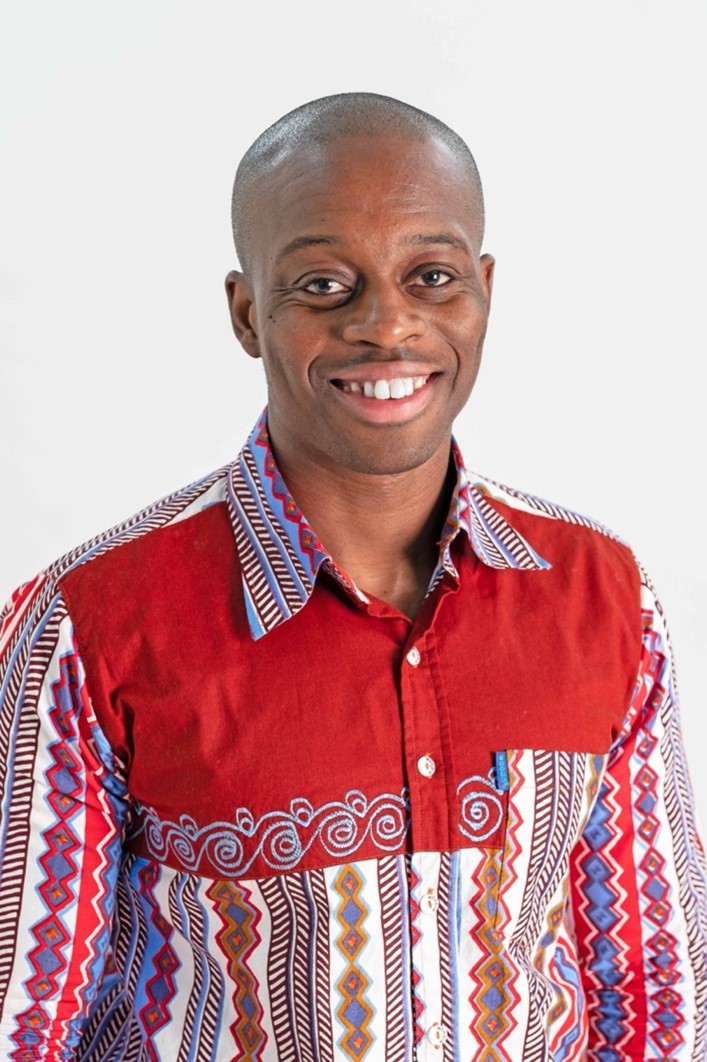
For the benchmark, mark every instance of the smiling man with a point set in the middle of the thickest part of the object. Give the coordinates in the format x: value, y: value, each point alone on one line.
x: 367, y: 301
x: 343, y: 752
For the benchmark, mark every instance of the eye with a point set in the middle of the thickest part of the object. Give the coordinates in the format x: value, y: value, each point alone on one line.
x: 324, y: 286
x: 434, y: 278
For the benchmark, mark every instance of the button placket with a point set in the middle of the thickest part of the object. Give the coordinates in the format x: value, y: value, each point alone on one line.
x: 425, y: 728
x: 427, y: 867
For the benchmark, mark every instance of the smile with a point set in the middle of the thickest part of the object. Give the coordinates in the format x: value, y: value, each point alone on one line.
x: 398, y: 387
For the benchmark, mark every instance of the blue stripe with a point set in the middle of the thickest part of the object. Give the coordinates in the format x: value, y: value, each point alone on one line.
x: 455, y: 918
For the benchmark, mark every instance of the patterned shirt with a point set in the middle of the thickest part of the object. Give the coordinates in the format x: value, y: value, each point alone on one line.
x: 248, y: 812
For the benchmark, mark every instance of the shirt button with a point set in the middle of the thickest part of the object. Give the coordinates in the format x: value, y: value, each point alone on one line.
x: 429, y: 902
x: 413, y: 657
x: 426, y: 766
x: 437, y: 1034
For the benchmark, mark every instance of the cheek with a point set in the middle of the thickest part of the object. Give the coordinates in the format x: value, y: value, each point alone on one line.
x: 466, y: 336
x: 286, y: 365
x: 286, y: 331
x: 463, y: 319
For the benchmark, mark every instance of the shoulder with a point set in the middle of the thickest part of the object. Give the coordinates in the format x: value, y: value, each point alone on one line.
x: 583, y: 555
x: 119, y: 553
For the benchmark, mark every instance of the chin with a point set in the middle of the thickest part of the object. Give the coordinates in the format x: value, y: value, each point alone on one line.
x: 389, y: 461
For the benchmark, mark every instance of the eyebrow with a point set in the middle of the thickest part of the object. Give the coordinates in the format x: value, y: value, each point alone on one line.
x: 440, y: 237
x: 421, y: 238
x: 306, y: 241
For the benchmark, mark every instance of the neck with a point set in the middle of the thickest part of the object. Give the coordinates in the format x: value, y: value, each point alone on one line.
x: 382, y: 530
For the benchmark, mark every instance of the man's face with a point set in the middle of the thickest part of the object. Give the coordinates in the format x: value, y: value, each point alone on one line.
x: 367, y: 301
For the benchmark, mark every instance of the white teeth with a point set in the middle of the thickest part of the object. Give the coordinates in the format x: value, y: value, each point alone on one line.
x: 399, y: 387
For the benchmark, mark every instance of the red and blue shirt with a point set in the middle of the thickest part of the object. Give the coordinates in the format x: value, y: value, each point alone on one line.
x: 248, y: 811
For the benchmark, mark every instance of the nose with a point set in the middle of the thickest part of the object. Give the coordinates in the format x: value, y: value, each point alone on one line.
x: 382, y: 316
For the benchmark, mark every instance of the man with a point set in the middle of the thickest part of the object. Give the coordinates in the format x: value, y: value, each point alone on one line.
x: 341, y: 752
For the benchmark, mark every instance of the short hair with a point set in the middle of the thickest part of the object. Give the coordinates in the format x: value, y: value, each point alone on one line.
x: 325, y: 120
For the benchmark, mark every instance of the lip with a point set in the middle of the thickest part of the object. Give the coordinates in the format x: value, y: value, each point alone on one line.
x: 389, y: 410
x: 384, y: 370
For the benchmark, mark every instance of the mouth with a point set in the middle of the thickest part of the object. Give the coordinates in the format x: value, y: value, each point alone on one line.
x: 381, y: 398
x: 383, y: 390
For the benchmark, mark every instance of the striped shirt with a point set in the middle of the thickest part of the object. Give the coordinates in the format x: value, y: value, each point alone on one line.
x: 249, y: 812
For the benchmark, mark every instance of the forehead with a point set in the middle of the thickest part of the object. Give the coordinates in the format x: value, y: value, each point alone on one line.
x: 364, y: 186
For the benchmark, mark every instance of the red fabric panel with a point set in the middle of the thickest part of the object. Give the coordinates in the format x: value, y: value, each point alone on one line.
x: 209, y: 720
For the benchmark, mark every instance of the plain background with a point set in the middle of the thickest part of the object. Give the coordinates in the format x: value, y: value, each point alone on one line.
x: 120, y: 129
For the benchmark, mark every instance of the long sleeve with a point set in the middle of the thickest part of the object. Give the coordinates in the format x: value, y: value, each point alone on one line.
x: 639, y: 895
x: 62, y: 810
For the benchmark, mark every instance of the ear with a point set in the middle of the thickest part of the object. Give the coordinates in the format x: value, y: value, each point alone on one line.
x: 487, y: 264
x: 241, y: 304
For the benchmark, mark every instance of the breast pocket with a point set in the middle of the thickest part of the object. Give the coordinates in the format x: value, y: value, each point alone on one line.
x: 550, y: 796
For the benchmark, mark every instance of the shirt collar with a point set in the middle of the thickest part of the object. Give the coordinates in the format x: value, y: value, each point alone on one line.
x: 281, y: 556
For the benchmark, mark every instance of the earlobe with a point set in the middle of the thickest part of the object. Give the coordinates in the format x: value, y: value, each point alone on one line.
x: 241, y: 305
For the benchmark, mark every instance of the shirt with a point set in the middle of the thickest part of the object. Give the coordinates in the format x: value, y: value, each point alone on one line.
x: 249, y: 812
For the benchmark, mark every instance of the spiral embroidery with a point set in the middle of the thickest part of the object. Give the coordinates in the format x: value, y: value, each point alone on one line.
x: 481, y: 808
x: 279, y: 838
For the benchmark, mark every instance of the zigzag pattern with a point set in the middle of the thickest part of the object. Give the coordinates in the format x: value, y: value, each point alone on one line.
x: 306, y: 916
x: 512, y: 857
x: 665, y: 1018
x: 18, y: 750
x: 600, y: 905
x: 28, y: 639
x: 237, y: 939
x: 111, y: 1030
x: 491, y: 997
x: 354, y: 1011
x: 677, y: 797
x: 58, y: 861
x: 567, y: 1038
x: 71, y: 863
x: 160, y: 988
x: 100, y: 856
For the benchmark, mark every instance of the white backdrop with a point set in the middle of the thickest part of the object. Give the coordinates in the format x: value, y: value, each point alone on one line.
x: 120, y: 129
